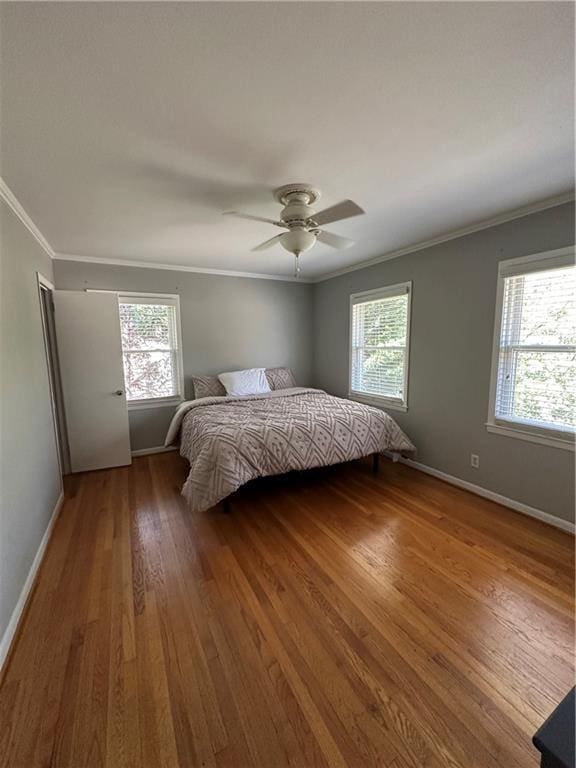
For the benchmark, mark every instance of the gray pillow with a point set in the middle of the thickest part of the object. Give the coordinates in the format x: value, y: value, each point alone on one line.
x: 207, y: 386
x: 280, y: 378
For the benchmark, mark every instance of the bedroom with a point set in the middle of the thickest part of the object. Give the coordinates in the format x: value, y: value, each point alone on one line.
x: 364, y: 554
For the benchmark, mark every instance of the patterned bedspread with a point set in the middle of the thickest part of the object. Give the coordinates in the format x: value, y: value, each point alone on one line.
x: 229, y: 441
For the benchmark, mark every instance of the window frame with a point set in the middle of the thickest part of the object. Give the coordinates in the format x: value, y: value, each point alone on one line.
x: 167, y: 299
x: 524, y: 430
x: 388, y: 291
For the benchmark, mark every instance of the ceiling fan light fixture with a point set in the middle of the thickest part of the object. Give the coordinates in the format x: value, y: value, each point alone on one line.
x: 297, y: 240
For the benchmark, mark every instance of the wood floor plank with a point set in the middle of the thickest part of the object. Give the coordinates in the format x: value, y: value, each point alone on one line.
x: 386, y: 686
x: 335, y: 619
x: 504, y: 642
x: 414, y: 613
x: 344, y: 633
x: 303, y: 600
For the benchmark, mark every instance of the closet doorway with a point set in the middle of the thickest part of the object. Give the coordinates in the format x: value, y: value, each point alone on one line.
x: 45, y: 290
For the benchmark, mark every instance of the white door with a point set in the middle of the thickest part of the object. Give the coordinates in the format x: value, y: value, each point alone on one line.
x: 90, y: 354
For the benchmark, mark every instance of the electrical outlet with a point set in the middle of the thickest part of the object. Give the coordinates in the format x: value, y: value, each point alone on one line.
x: 474, y: 460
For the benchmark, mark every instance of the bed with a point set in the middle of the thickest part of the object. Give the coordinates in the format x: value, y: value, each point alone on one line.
x: 229, y: 441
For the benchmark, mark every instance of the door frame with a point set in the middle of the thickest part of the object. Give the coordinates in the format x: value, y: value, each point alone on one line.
x: 53, y: 370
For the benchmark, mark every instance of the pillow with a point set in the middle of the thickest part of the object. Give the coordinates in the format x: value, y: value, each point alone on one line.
x: 207, y: 386
x: 252, y: 381
x: 280, y: 378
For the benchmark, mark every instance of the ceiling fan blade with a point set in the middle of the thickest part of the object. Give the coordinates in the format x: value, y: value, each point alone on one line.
x: 267, y: 243
x: 344, y: 210
x: 253, y: 218
x: 335, y: 241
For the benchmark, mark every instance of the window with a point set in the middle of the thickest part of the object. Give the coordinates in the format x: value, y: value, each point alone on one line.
x: 534, y: 367
x: 151, y: 348
x: 379, y: 335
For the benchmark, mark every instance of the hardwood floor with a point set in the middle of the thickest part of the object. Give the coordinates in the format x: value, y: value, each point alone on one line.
x: 332, y: 619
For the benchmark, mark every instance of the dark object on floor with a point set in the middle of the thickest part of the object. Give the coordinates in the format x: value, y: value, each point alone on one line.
x: 555, y: 739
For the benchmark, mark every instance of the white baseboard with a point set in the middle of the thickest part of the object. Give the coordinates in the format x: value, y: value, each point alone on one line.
x: 517, y: 506
x: 11, y: 629
x: 156, y: 449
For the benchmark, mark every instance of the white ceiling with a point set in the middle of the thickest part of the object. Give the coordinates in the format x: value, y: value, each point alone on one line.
x: 128, y: 128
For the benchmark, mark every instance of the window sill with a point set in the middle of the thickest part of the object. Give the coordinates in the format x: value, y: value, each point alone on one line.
x: 381, y: 402
x: 141, y: 405
x: 532, y: 437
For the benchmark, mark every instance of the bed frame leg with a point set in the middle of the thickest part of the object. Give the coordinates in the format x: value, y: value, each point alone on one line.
x: 226, y: 506
x: 375, y: 463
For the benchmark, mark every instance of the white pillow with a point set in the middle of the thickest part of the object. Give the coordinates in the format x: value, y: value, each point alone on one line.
x: 252, y: 381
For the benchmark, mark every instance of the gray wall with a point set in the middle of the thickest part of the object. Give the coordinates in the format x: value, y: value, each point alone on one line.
x: 227, y: 323
x: 29, y: 472
x: 453, y: 302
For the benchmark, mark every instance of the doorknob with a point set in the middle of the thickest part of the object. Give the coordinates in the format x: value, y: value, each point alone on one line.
x: 119, y: 392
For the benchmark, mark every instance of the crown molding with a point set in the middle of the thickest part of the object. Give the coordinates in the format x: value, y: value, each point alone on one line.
x: 177, y: 268
x: 517, y: 213
x: 12, y: 201
x: 14, y: 204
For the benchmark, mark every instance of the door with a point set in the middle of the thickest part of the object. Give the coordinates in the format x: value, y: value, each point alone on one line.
x: 90, y: 353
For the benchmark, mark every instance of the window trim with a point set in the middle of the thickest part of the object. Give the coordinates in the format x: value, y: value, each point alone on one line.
x: 169, y: 299
x: 388, y: 291
x: 524, y: 430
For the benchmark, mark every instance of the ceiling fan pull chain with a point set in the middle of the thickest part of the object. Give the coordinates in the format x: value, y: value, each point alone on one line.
x: 296, y: 265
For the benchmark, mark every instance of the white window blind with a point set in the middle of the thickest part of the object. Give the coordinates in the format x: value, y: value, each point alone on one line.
x: 379, y: 343
x: 536, y: 355
x: 151, y: 348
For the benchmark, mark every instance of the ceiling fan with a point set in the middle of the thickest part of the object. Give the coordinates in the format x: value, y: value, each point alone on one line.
x: 302, y: 222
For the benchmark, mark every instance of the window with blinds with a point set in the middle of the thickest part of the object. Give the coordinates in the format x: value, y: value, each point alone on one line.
x: 379, y: 344
x: 535, y: 376
x: 151, y: 348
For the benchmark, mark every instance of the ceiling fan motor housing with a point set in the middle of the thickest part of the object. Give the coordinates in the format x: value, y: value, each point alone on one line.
x: 297, y: 200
